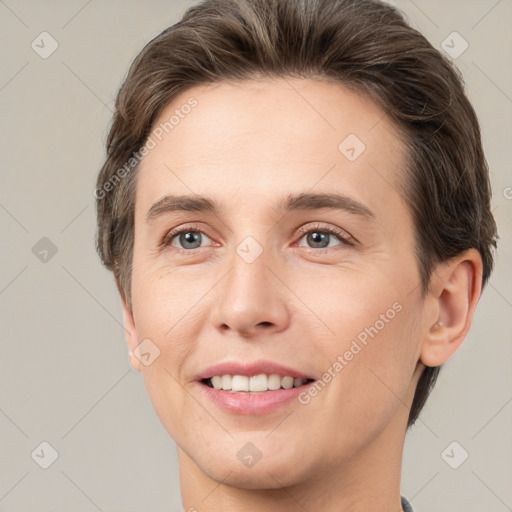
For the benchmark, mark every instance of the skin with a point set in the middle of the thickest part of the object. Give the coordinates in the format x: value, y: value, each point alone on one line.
x: 247, y: 146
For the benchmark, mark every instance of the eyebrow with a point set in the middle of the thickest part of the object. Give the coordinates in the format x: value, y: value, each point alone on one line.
x: 303, y: 201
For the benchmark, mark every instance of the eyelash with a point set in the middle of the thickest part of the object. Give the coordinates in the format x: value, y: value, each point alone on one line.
x: 343, y: 237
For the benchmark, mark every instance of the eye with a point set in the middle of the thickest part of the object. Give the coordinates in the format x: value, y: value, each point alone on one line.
x: 188, y: 238
x: 320, y: 236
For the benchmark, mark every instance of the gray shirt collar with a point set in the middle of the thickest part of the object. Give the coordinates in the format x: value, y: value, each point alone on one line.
x: 406, y: 506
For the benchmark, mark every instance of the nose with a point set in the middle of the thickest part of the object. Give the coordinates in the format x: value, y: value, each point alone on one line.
x: 252, y: 299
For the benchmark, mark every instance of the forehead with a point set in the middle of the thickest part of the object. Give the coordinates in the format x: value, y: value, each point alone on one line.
x: 258, y: 137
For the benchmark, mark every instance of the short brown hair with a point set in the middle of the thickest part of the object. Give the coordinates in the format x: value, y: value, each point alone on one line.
x: 365, y: 45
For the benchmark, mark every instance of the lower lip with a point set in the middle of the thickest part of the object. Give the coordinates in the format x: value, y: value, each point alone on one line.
x: 253, y: 403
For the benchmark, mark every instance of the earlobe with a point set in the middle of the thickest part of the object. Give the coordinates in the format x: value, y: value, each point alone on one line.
x: 455, y: 289
x: 131, y: 335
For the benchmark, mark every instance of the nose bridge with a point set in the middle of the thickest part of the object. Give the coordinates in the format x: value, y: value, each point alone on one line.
x: 249, y: 262
x: 251, y: 297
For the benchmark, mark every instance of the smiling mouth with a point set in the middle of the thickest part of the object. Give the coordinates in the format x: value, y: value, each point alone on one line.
x: 261, y: 383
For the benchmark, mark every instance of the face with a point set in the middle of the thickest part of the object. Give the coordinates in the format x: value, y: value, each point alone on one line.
x: 294, y: 256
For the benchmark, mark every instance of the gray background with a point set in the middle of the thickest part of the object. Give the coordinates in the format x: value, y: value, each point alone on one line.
x: 64, y: 372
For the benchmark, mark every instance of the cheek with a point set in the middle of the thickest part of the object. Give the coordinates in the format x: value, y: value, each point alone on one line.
x: 162, y: 310
x: 165, y: 300
x: 169, y: 311
x: 350, y: 303
x: 383, y: 357
x: 372, y: 351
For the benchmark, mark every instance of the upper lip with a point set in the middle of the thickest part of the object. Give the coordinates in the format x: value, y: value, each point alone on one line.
x: 249, y: 369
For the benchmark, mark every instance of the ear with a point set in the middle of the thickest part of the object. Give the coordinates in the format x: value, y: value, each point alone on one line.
x: 454, y: 293
x: 131, y: 335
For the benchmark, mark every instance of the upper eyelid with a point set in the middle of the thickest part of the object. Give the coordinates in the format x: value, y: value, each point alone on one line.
x: 340, y: 232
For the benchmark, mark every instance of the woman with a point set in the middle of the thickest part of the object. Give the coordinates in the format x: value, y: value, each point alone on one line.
x: 296, y: 208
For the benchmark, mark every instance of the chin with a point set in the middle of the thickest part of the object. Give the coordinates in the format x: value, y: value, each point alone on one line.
x: 273, y: 470
x: 266, y: 476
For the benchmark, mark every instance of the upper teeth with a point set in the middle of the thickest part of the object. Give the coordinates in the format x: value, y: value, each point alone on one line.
x: 260, y: 382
